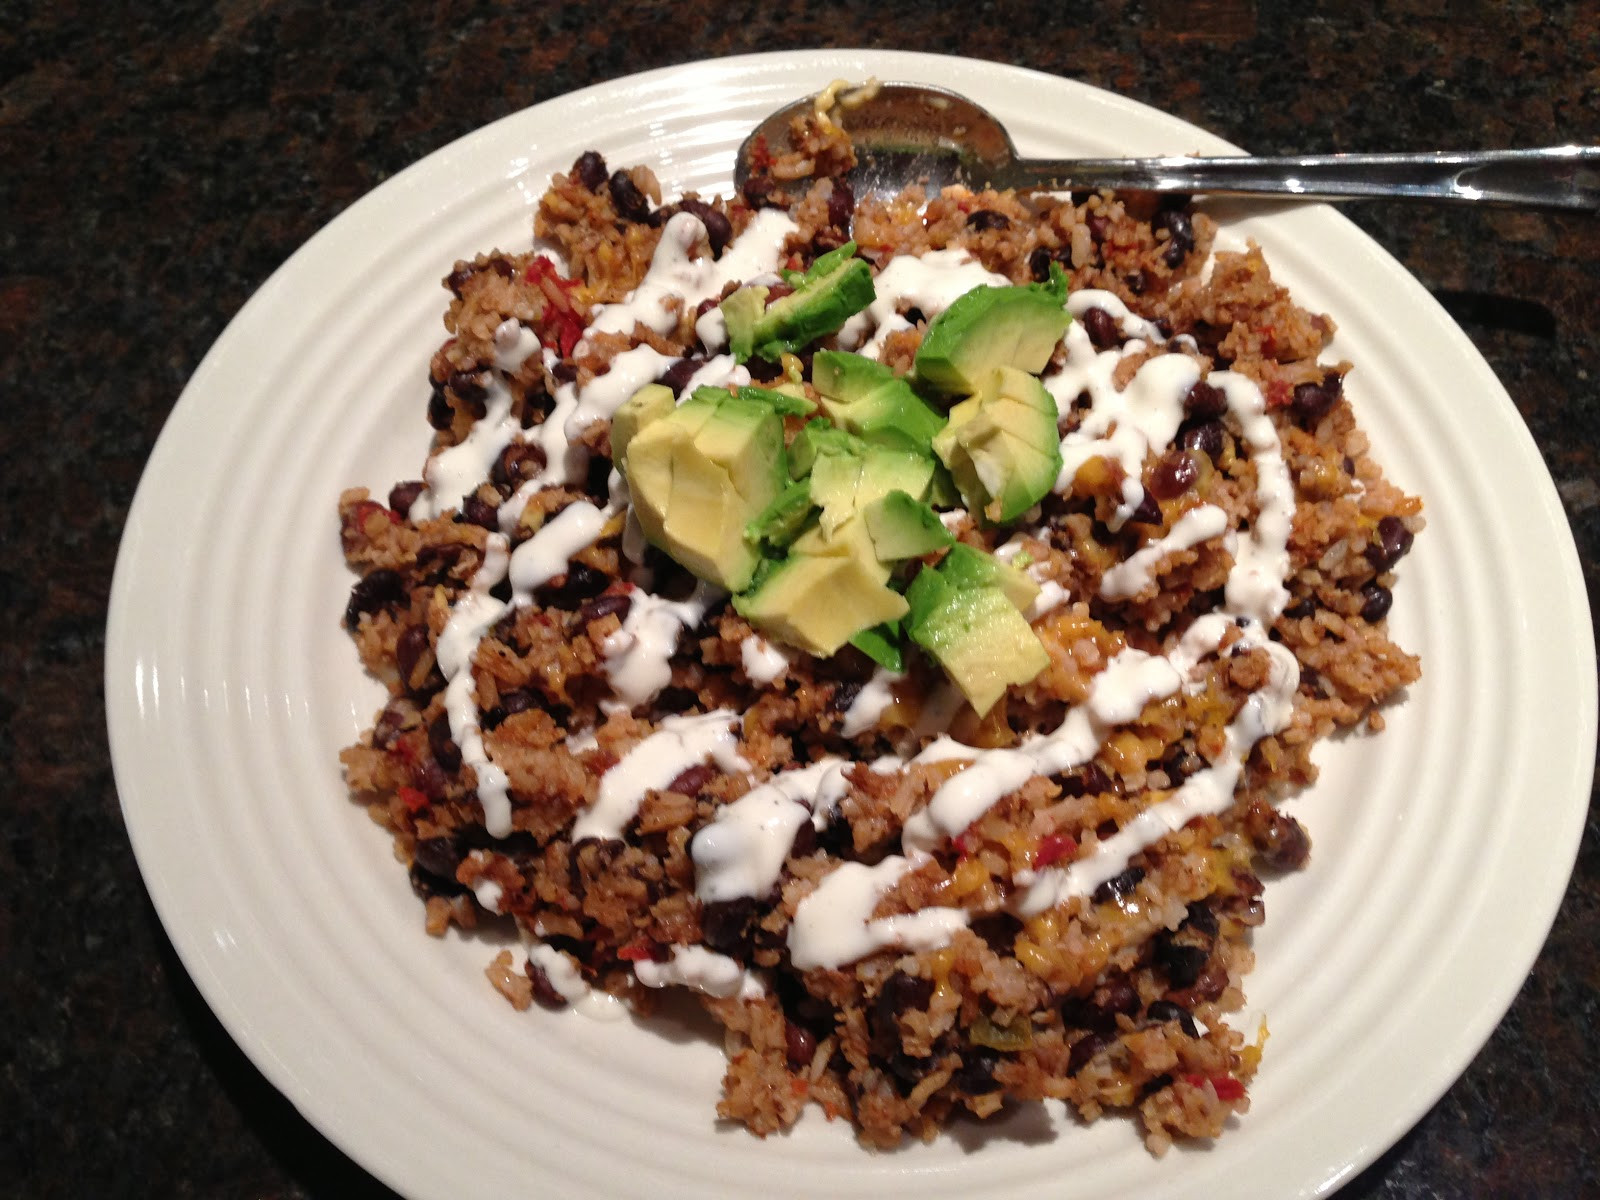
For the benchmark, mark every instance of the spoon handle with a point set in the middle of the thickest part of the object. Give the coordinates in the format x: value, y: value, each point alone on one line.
x: 1553, y: 177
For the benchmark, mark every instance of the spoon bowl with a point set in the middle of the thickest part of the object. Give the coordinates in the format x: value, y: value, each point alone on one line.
x: 907, y: 133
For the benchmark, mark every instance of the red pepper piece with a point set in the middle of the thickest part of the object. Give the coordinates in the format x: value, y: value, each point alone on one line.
x: 638, y: 950
x: 413, y: 799
x: 1053, y: 847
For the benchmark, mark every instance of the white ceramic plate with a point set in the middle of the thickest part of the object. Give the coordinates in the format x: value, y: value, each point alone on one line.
x: 1442, y: 847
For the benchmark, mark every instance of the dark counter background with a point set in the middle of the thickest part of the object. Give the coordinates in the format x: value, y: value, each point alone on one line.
x: 158, y: 161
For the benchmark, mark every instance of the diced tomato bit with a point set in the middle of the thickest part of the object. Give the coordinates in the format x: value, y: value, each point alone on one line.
x: 367, y: 507
x: 1279, y: 393
x: 760, y: 154
x: 964, y: 843
x: 798, y: 1086
x: 413, y: 799
x: 638, y: 950
x: 1226, y: 1086
x: 1269, y: 341
x: 560, y: 312
x: 1053, y: 847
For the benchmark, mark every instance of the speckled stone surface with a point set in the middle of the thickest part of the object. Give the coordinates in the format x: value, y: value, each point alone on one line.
x: 158, y: 161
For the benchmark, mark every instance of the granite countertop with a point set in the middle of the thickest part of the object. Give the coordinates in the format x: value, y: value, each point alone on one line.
x: 157, y: 162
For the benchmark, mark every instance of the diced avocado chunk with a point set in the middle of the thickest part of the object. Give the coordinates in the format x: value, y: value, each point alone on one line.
x: 649, y: 403
x: 870, y: 400
x: 882, y: 644
x: 848, y: 540
x: 836, y: 287
x: 901, y: 527
x: 782, y: 520
x: 700, y: 475
x: 1002, y: 445
x: 818, y: 602
x: 991, y: 327
x: 820, y: 437
x: 978, y: 637
x: 967, y: 566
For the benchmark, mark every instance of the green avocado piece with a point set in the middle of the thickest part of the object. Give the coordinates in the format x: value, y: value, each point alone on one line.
x: 1001, y: 445
x: 902, y: 527
x: 870, y: 400
x: 698, y: 477
x: 991, y: 327
x: 882, y: 644
x: 816, y: 439
x: 835, y: 287
x: 820, y: 601
x: 783, y: 520
x: 649, y: 403
x: 978, y: 637
x: 968, y: 567
x: 846, y: 481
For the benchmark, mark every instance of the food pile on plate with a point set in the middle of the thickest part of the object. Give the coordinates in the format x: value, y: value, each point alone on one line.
x: 897, y: 622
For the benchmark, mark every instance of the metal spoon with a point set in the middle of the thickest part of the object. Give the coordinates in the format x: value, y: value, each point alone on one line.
x: 910, y: 133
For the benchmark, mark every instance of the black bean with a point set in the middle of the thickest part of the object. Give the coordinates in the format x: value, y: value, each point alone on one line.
x: 1390, y: 543
x: 805, y: 840
x: 403, y: 495
x: 1301, y: 609
x: 439, y: 856
x: 390, y: 724
x: 375, y: 590
x: 975, y: 1075
x: 1119, y: 885
x: 543, y: 990
x: 841, y: 205
x: 1087, y: 780
x: 825, y: 241
x: 691, y: 780
x: 597, y: 480
x: 1099, y: 227
x: 630, y: 202
x: 1173, y: 475
x: 1281, y: 841
x: 1102, y: 328
x: 429, y: 778
x: 1179, y: 764
x: 844, y: 695
x: 799, y: 1045
x: 413, y: 655
x: 719, y: 230
x: 902, y: 993
x: 676, y: 699
x: 569, y: 590
x: 470, y: 389
x: 1084, y: 1049
x: 502, y: 592
x: 985, y: 218
x: 511, y: 702
x: 1162, y: 1011
x: 565, y: 371
x: 679, y: 373
x: 480, y: 512
x: 1206, y: 437
x: 1201, y: 919
x: 905, y: 1070
x: 1181, y: 962
x: 1376, y: 600
x: 1311, y: 402
x: 1153, y: 1085
x: 1180, y: 233
x: 440, y: 414
x: 1136, y: 282
x: 612, y: 604
x: 758, y: 191
x: 1147, y: 512
x: 445, y: 752
x: 590, y: 170
x: 537, y: 402
x: 1039, y: 264
x: 518, y: 463
x: 1204, y: 401
x: 724, y: 924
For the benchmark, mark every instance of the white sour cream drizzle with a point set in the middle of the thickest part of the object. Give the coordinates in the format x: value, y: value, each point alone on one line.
x: 833, y: 925
x: 931, y: 283
x: 639, y: 655
x: 763, y: 662
x: 679, y: 743
x: 704, y: 971
x: 1137, y: 571
x: 569, y: 983
x: 741, y: 852
x: 874, y: 698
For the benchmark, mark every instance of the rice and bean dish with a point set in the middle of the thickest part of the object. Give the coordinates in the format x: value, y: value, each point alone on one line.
x: 897, y: 622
